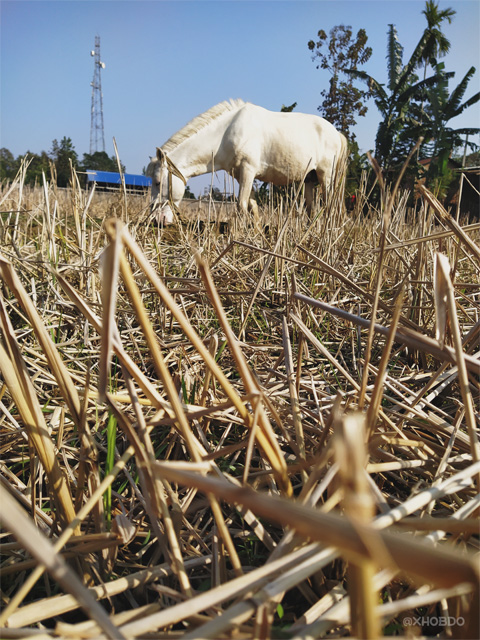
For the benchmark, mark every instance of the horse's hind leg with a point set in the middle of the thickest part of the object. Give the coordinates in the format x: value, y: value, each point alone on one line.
x: 309, y: 196
x: 324, y: 182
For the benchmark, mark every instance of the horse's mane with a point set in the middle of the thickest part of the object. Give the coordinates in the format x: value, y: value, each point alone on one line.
x: 200, y: 122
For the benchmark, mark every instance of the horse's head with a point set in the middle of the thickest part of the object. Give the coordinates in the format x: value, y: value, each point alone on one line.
x: 167, y: 187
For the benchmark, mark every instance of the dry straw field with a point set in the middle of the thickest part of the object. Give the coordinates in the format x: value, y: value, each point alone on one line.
x: 269, y: 432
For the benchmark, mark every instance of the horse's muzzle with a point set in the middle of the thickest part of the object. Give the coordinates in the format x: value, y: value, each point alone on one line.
x: 162, y: 211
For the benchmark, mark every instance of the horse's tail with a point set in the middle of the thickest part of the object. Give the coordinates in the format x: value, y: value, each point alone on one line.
x: 340, y: 170
x: 341, y: 164
x: 344, y: 150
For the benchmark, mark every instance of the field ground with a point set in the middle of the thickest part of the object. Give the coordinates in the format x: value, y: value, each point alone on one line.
x: 238, y: 431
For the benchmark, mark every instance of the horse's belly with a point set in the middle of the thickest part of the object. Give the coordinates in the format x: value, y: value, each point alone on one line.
x: 282, y: 171
x: 284, y: 160
x: 272, y: 174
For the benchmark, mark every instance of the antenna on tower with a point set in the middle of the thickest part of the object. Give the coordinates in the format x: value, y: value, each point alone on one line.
x: 97, y: 135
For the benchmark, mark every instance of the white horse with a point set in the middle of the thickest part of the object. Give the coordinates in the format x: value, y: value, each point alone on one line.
x: 249, y: 143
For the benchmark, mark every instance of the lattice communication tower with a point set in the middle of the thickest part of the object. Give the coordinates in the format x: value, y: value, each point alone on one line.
x: 97, y: 135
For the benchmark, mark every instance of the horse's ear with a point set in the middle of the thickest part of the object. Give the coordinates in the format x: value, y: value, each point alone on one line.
x: 160, y: 154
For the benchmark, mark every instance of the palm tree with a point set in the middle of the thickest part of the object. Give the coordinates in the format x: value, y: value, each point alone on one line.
x: 394, y: 101
x: 437, y: 45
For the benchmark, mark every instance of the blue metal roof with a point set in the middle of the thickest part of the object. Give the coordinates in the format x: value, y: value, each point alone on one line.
x: 110, y: 177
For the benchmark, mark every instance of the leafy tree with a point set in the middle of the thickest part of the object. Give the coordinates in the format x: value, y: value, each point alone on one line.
x: 472, y: 159
x: 289, y: 109
x: 188, y: 193
x: 8, y: 165
x: 39, y: 164
x: 343, y: 101
x: 394, y: 102
x: 440, y: 108
x: 62, y: 153
x: 100, y: 162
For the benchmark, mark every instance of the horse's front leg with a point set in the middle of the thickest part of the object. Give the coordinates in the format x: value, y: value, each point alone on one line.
x: 253, y: 207
x: 246, y: 202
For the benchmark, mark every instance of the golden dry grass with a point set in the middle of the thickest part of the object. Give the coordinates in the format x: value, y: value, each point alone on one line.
x: 265, y: 433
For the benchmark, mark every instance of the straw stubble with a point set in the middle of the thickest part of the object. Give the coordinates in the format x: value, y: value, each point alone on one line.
x: 277, y: 417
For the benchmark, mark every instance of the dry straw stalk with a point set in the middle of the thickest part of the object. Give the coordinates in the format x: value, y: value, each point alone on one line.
x: 259, y: 445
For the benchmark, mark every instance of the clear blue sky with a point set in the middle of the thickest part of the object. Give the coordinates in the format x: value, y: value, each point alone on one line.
x: 167, y: 61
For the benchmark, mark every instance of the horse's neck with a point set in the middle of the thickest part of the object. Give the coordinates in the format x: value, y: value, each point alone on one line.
x: 196, y: 155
